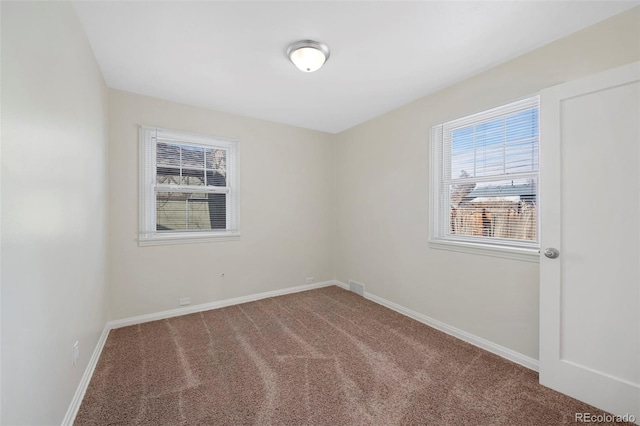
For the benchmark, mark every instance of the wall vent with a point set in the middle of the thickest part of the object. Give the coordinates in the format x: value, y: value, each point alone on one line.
x: 356, y: 287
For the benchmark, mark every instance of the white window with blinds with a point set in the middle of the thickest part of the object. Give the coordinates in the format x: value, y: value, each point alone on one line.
x: 484, y: 173
x: 188, y: 188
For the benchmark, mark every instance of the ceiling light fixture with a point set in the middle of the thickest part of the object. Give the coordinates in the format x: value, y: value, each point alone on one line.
x: 308, y: 55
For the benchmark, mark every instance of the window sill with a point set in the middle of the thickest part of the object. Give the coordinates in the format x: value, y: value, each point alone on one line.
x: 166, y: 239
x: 516, y: 253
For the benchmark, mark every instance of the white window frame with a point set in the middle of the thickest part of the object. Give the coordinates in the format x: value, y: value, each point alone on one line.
x: 489, y: 246
x: 148, y: 235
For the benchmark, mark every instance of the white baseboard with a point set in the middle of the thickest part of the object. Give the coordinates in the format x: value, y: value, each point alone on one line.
x: 72, y: 411
x: 214, y: 305
x: 487, y: 345
x: 341, y: 284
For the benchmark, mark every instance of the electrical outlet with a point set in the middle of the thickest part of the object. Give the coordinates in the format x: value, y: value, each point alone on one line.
x: 310, y: 280
x: 76, y: 352
x: 185, y: 301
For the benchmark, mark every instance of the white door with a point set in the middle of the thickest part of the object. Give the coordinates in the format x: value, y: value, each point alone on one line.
x: 590, y: 213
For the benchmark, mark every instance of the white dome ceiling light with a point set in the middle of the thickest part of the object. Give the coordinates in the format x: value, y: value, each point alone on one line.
x: 308, y: 55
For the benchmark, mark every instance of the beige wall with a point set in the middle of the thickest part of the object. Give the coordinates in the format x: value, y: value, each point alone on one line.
x: 286, y: 198
x: 383, y: 206
x: 54, y: 217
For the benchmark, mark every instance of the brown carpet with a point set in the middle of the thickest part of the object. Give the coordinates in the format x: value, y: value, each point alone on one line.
x: 321, y: 357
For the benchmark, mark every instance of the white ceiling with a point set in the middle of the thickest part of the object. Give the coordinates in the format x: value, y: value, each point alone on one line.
x: 230, y: 56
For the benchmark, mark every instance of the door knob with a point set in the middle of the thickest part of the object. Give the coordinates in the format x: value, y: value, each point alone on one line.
x: 551, y: 253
